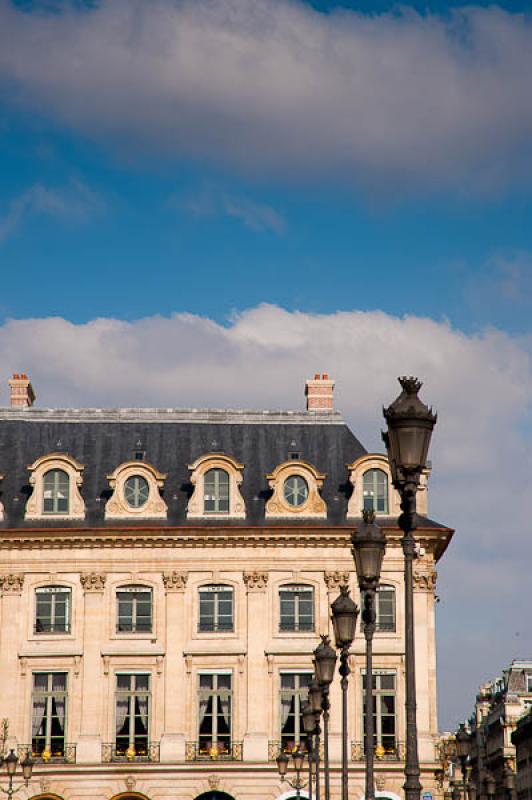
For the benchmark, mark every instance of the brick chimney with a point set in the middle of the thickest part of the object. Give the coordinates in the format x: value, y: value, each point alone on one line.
x: 22, y: 394
x: 319, y: 393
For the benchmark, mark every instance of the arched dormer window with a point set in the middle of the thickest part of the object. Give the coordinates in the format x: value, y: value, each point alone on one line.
x: 136, y: 492
x: 296, y: 491
x: 1, y: 506
x: 56, y: 479
x: 216, y: 479
x: 216, y: 491
x: 56, y: 491
x: 375, y: 491
x: 372, y: 489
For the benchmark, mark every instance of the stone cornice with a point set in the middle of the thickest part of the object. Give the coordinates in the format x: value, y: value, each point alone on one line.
x: 434, y: 540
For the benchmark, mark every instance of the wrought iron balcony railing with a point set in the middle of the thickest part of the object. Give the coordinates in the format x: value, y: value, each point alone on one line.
x: 56, y: 754
x: 213, y: 751
x: 144, y: 753
x: 395, y: 753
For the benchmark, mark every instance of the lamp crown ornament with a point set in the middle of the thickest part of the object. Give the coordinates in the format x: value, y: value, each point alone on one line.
x: 368, y: 515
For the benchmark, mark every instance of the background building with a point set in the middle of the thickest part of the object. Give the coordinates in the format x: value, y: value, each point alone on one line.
x: 499, y: 705
x: 165, y: 575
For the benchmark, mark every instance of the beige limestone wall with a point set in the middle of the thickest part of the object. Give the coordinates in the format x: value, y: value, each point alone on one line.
x: 256, y: 652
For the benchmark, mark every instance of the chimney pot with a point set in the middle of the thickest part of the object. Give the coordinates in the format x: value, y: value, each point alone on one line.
x: 319, y: 393
x: 22, y: 394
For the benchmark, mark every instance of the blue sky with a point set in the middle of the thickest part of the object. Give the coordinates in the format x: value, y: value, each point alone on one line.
x: 258, y: 167
x: 181, y: 233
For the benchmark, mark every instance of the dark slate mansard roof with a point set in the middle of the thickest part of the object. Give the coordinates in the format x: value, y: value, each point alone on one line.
x: 102, y: 439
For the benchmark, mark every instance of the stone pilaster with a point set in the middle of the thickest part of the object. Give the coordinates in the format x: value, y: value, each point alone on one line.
x: 173, y: 737
x: 11, y: 586
x: 256, y: 736
x: 90, y: 740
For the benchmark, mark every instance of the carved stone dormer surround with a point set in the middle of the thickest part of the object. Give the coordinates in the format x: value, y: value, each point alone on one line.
x: 175, y: 581
x: 93, y: 581
x: 11, y: 583
x: 357, y: 471
x: 255, y: 580
x: 74, y: 470
x: 237, y: 507
x: 117, y: 506
x: 314, y: 506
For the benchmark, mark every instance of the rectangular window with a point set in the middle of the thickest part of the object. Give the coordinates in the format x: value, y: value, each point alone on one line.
x: 52, y: 609
x: 296, y: 608
x: 215, y: 608
x: 132, y: 721
x: 384, y: 711
x: 529, y: 683
x: 49, y: 706
x: 386, y: 608
x: 214, y: 714
x: 294, y: 695
x: 134, y: 609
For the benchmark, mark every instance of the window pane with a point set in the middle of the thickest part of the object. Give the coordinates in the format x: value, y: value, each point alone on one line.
x: 56, y: 484
x: 136, y: 491
x: 216, y: 491
x: 375, y: 490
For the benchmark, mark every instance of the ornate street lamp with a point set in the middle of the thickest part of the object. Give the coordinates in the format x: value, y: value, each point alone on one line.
x: 369, y: 544
x: 410, y: 424
x: 344, y: 619
x: 324, y: 666
x: 10, y: 762
x: 509, y: 781
x: 298, y: 757
x: 463, y: 746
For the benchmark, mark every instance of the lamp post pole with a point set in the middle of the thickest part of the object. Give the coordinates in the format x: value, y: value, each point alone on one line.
x: 369, y: 544
x: 315, y: 699
x: 344, y: 618
x: 309, y: 726
x: 463, y: 746
x: 410, y: 424
x: 324, y: 666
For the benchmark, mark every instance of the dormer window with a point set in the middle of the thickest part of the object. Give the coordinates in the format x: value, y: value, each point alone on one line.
x: 136, y: 489
x: 56, y: 479
x: 216, y: 478
x: 56, y: 488
x: 296, y: 488
x: 216, y: 491
x: 375, y: 491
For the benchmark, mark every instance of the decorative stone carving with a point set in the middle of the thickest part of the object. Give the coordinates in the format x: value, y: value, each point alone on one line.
x: 130, y: 783
x: 74, y: 470
x: 117, y: 506
x: 11, y: 583
x: 314, y: 506
x: 175, y: 581
x: 93, y: 581
x: 380, y: 782
x: 425, y: 581
x: 237, y: 507
x: 336, y: 578
x: 255, y: 580
x: 214, y: 782
x: 45, y: 784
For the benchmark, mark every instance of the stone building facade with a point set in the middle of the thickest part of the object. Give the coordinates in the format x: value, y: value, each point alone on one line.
x: 499, y: 705
x: 165, y: 575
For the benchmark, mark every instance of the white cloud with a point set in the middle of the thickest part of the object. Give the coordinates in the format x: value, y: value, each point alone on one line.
x: 275, y: 85
x: 482, y: 450
x: 210, y: 201
x: 74, y: 202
